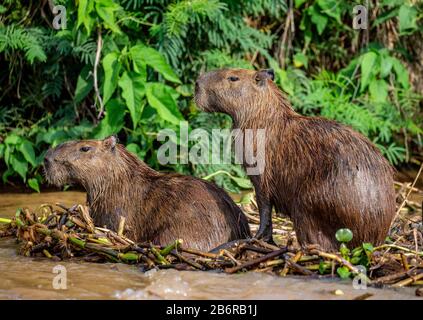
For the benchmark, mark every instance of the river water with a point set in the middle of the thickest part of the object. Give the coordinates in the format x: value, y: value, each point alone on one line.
x: 33, y: 278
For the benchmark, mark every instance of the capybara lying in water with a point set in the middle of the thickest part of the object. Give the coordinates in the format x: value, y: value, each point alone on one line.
x: 322, y: 174
x: 157, y: 207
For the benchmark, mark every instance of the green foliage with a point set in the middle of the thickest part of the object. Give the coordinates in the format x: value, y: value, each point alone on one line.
x: 152, y: 51
x: 358, y: 256
x: 344, y: 235
x: 372, y: 94
x: 15, y: 39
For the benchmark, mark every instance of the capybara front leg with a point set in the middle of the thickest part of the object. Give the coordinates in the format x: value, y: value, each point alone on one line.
x: 265, y: 210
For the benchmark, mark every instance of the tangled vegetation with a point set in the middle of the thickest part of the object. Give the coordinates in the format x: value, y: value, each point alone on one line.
x: 61, y: 233
x: 127, y: 67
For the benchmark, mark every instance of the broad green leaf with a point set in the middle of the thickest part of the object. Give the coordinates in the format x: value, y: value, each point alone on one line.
x: 84, y: 85
x: 33, y: 183
x: 368, y: 247
x: 368, y: 62
x: 185, y: 90
x: 378, y: 90
x: 331, y: 8
x: 28, y: 152
x: 343, y: 272
x: 19, y: 164
x: 356, y: 260
x: 9, y: 172
x: 134, y: 148
x: 344, y: 235
x: 243, y: 183
x: 113, y: 122
x: 285, y: 82
x: 401, y: 72
x: 160, y: 97
x: 112, y: 67
x: 322, y: 267
x: 106, y: 10
x: 384, y: 16
x: 385, y: 66
x: 357, y: 252
x: 143, y: 55
x: 407, y: 17
x: 7, y: 153
x: 246, y: 198
x: 300, y: 60
x: 13, y: 139
x: 139, y: 61
x: 85, y: 7
x: 318, y: 19
x: 133, y: 91
x: 53, y: 136
x: 298, y: 3
x: 343, y: 249
x: 2, y: 147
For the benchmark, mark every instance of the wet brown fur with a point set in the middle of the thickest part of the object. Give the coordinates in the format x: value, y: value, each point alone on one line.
x: 323, y: 174
x: 158, y: 207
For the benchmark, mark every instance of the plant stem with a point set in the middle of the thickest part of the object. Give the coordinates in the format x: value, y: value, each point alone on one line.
x: 5, y: 220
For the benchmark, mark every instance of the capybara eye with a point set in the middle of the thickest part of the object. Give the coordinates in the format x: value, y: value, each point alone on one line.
x: 233, y: 78
x: 85, y: 149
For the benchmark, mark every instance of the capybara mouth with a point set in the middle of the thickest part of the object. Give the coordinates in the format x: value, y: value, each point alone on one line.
x: 197, y: 97
x: 55, y: 176
x: 200, y: 96
x: 201, y: 100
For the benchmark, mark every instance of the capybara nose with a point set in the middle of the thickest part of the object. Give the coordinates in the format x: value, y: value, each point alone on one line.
x: 200, y: 81
x: 48, y: 158
x: 197, y: 86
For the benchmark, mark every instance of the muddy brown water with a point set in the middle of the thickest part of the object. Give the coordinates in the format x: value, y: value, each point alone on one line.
x: 33, y: 278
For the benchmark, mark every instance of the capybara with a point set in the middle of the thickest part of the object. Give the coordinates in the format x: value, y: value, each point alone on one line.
x: 157, y: 207
x: 322, y: 174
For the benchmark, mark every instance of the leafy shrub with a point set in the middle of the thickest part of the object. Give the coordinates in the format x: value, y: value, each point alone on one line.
x: 152, y: 51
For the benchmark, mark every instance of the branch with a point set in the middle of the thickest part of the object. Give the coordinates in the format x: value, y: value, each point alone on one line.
x: 97, y: 61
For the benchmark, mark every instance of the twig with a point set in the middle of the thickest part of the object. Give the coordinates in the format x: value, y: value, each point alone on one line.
x: 257, y: 261
x: 121, y: 226
x: 265, y: 244
x: 408, y: 194
x: 409, y: 280
x: 394, y: 246
x: 294, y: 260
x: 391, y: 277
x: 284, y: 39
x: 231, y: 257
x: 97, y: 61
x: 186, y: 260
x: 199, y: 253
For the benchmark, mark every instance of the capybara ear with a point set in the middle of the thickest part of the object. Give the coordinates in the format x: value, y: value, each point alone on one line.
x: 262, y: 75
x: 110, y: 143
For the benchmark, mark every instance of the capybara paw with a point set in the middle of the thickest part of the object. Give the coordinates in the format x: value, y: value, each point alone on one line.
x: 265, y: 237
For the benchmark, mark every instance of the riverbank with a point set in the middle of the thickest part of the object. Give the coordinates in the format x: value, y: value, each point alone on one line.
x: 283, y: 234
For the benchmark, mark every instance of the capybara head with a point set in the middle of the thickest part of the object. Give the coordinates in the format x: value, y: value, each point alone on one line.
x: 233, y: 91
x: 77, y: 162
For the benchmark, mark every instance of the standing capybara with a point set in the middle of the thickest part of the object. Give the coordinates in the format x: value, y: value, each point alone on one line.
x: 322, y: 174
x: 157, y: 207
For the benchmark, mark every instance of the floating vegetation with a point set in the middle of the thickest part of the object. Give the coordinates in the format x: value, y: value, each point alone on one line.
x: 57, y: 232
